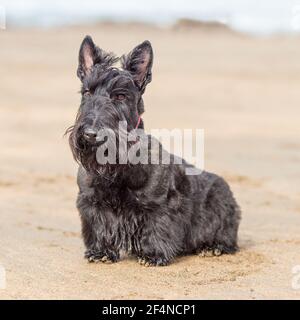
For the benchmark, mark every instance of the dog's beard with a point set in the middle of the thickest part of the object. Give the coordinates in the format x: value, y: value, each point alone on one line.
x: 85, y: 153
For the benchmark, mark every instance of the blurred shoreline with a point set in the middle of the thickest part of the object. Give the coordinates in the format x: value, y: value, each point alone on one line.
x: 250, y: 17
x: 183, y: 25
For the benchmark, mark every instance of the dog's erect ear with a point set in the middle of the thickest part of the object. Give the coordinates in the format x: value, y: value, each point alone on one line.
x: 87, y: 57
x: 90, y: 55
x: 139, y: 63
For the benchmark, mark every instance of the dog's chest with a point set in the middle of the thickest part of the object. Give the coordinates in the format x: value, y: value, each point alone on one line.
x: 124, y: 217
x: 118, y: 199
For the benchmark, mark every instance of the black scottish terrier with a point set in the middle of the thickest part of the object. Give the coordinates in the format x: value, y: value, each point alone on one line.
x: 152, y: 211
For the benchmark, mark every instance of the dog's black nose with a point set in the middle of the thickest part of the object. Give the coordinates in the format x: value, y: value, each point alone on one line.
x: 90, y: 135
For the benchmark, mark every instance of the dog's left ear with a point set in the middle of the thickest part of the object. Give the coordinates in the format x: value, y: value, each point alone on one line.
x: 139, y: 63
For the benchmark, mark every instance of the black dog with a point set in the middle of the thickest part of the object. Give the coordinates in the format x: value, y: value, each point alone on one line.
x: 153, y: 211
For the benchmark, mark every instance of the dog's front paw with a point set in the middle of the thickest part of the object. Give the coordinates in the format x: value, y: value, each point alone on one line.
x: 209, y: 252
x: 152, y: 262
x: 106, y: 256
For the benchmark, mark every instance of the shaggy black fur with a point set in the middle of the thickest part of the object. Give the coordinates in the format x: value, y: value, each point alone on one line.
x: 155, y: 212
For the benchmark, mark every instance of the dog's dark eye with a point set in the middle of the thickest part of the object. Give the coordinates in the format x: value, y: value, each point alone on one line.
x: 119, y: 97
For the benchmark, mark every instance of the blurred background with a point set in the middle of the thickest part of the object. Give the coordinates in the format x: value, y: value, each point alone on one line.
x: 256, y: 17
x: 229, y: 67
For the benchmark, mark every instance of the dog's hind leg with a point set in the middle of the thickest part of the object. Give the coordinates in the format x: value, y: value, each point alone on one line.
x: 220, y: 218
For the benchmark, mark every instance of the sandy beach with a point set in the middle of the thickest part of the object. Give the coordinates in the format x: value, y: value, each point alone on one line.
x: 243, y: 91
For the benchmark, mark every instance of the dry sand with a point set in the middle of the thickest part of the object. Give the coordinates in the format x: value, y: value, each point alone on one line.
x: 243, y: 91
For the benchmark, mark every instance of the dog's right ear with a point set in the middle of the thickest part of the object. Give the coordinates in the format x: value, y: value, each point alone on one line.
x: 87, y: 57
x: 90, y: 55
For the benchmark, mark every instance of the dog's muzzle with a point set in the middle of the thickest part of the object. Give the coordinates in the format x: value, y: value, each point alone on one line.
x: 90, y: 135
